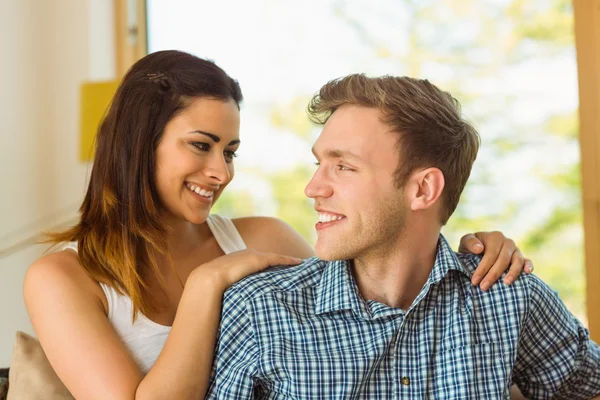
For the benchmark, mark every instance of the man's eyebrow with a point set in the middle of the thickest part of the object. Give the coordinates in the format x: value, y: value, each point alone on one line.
x: 215, y: 138
x: 335, y: 153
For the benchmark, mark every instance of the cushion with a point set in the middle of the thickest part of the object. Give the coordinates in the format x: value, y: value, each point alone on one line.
x: 31, y: 376
x: 3, y: 387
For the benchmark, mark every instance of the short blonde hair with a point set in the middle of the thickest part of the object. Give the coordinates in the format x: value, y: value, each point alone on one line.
x: 432, y: 131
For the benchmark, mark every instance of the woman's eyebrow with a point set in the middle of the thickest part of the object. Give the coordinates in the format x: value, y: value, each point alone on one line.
x: 214, y: 137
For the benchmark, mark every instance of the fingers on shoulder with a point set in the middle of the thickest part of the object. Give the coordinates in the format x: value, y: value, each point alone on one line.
x: 467, y: 241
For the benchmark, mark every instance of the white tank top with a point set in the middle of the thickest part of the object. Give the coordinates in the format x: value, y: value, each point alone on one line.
x: 145, y: 338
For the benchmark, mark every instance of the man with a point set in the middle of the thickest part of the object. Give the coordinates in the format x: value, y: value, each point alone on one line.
x: 387, y: 310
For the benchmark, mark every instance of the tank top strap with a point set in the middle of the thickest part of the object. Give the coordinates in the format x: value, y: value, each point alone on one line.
x: 225, y: 233
x: 114, y: 300
x: 70, y: 246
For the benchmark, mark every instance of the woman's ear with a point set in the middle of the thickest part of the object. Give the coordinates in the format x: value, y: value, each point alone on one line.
x: 429, y: 184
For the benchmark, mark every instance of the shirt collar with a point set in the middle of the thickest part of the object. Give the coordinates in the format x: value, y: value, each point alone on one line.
x: 337, y: 289
x: 445, y: 260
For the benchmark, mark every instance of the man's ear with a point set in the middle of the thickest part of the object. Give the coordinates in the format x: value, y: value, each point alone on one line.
x: 428, y: 185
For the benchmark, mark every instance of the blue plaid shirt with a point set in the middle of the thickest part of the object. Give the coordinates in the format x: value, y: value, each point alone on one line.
x: 305, y: 332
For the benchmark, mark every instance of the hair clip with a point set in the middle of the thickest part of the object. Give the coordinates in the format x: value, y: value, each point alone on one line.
x: 154, y: 76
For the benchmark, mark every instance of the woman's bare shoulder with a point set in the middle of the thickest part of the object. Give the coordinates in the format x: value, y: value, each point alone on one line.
x: 63, y: 271
x: 272, y: 235
x: 64, y: 306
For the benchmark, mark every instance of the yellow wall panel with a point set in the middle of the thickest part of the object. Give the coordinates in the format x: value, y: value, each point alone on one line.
x: 95, y: 99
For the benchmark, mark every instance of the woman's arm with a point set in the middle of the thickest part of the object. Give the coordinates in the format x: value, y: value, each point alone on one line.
x: 272, y: 235
x: 70, y: 320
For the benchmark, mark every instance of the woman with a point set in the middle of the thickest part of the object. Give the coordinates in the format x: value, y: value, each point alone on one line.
x: 146, y: 242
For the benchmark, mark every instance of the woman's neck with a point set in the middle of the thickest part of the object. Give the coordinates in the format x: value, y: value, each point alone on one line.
x: 185, y: 242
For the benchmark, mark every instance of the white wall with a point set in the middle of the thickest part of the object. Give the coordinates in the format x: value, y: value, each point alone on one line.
x: 48, y: 49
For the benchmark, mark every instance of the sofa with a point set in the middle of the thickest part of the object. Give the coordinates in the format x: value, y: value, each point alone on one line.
x: 3, y: 383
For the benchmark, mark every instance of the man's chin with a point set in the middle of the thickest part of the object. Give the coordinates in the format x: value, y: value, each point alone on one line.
x: 327, y: 252
x: 325, y: 257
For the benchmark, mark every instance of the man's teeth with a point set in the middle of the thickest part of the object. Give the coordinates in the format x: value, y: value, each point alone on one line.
x: 201, y: 192
x: 324, y: 217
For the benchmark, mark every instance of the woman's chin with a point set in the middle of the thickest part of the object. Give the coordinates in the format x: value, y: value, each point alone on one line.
x: 198, y: 219
x: 194, y: 215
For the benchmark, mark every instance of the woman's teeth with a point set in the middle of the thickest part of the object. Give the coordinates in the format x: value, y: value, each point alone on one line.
x: 324, y: 217
x: 201, y: 192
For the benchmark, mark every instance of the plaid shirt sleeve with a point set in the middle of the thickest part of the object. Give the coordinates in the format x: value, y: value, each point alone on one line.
x: 235, y: 354
x: 556, y: 357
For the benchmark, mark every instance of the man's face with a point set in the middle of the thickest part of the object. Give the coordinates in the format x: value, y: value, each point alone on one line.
x: 361, y: 211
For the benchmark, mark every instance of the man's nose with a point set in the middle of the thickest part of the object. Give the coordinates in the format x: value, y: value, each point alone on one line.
x: 318, y: 186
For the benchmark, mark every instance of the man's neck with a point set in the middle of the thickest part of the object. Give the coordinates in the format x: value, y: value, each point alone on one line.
x: 396, y: 276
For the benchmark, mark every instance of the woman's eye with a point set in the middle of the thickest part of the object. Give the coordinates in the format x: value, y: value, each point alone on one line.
x: 230, y: 155
x: 201, y: 146
x: 317, y: 163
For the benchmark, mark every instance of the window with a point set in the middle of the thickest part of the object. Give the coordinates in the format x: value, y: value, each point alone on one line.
x: 511, y: 63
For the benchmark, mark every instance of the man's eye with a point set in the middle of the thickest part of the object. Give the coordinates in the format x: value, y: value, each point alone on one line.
x: 342, y: 167
x: 201, y: 146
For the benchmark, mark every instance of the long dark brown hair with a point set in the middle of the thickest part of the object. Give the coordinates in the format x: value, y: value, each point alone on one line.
x: 120, y: 228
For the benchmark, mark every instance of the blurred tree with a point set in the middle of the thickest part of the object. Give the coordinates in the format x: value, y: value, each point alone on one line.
x: 294, y: 207
x: 504, y: 36
x: 474, y: 49
x: 235, y: 203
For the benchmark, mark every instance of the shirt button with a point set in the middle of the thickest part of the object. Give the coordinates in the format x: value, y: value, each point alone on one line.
x: 405, y: 380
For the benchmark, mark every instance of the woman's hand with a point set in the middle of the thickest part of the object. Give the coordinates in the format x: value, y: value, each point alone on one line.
x: 499, y: 254
x: 228, y: 269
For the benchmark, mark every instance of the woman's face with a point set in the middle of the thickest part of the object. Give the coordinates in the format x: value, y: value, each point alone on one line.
x: 194, y: 159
